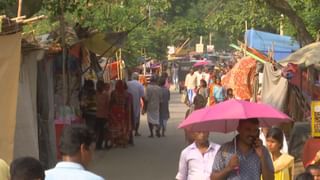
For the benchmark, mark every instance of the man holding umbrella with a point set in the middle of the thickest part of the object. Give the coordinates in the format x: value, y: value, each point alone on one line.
x: 245, y: 157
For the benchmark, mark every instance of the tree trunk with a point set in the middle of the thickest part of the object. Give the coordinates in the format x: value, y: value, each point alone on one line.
x: 284, y: 7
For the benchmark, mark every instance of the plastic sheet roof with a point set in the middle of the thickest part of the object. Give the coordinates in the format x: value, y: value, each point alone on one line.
x: 264, y: 42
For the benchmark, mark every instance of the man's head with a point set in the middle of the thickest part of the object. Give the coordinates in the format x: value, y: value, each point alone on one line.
x: 162, y: 81
x: 248, y: 130
x: 206, y: 70
x: 304, y: 176
x: 77, y: 144
x: 26, y: 168
x: 100, y: 86
x: 191, y: 71
x: 314, y: 170
x: 135, y: 76
x: 200, y: 137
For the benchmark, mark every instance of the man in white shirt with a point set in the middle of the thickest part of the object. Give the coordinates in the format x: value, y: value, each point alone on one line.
x: 196, y: 160
x: 206, y: 74
x: 191, y: 84
x: 199, y: 75
x: 76, y: 146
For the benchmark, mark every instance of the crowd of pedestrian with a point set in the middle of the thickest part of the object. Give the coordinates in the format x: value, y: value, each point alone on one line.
x: 246, y: 156
x: 114, y: 114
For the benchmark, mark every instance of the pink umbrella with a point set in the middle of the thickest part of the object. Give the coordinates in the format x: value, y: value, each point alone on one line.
x: 201, y: 63
x: 224, y: 117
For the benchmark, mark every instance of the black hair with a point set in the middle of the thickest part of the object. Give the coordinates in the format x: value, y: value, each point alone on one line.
x: 312, y: 166
x: 73, y: 137
x: 100, y: 86
x: 162, y: 81
x: 26, y: 168
x: 277, y: 134
x: 154, y: 78
x: 88, y: 84
x: 304, y: 176
x: 204, y: 82
x: 250, y: 120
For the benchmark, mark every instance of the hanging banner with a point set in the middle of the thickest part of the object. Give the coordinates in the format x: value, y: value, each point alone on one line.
x: 10, y: 56
x: 315, y: 115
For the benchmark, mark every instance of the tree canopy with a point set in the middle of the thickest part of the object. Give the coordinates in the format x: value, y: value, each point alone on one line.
x: 171, y: 22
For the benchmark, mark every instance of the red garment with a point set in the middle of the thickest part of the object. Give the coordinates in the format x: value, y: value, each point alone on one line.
x: 120, y: 122
x: 240, y: 78
x: 113, y: 70
x: 310, y: 149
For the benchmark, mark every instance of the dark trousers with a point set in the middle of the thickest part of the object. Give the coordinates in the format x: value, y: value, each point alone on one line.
x: 90, y: 118
x: 100, y: 131
x: 151, y: 129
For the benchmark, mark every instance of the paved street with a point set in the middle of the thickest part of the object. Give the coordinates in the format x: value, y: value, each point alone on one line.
x: 150, y: 158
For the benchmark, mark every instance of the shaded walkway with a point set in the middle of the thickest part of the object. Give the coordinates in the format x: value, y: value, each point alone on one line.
x: 150, y: 158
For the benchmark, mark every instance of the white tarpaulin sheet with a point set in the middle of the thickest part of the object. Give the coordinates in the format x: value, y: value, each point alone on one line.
x: 26, y: 134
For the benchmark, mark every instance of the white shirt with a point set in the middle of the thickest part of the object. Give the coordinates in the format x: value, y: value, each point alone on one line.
x: 191, y: 81
x: 195, y: 166
x: 70, y: 171
x: 199, y: 77
x: 206, y: 77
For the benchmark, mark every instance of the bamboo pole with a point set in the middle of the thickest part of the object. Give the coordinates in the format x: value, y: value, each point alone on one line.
x: 25, y: 21
x: 64, y: 53
x: 19, y: 8
x: 18, y: 18
x: 250, y: 54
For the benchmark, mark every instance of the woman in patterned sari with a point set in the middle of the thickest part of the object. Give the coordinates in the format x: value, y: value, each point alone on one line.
x: 120, y: 125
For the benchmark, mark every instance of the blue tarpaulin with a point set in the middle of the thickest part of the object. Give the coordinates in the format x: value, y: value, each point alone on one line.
x: 263, y: 41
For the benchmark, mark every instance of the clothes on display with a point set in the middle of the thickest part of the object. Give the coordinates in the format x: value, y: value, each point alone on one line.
x: 240, y: 78
x: 274, y: 87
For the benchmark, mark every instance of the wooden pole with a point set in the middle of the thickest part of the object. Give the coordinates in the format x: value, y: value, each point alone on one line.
x: 19, y: 8
x: 64, y: 53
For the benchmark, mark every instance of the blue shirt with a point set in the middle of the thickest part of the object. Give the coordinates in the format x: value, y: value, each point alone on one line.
x: 250, y: 168
x: 218, y: 93
x: 70, y: 171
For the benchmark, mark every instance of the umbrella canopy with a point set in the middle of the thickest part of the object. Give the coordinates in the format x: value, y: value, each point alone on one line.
x: 308, y: 55
x: 201, y: 63
x: 224, y: 117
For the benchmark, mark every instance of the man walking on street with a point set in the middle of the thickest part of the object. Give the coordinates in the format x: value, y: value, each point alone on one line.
x: 136, y: 89
x: 191, y: 85
x: 153, y: 100
x: 196, y: 160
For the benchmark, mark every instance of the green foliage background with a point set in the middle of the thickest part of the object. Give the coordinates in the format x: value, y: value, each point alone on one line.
x: 171, y: 22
